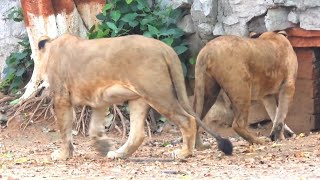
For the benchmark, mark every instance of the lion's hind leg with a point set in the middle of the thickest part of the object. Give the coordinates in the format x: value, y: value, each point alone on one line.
x: 270, y: 105
x: 138, y: 113
x: 173, y: 111
x: 285, y: 98
x: 241, y: 101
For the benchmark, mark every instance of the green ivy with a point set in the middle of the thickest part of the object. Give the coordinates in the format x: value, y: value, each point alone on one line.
x: 19, y: 65
x: 120, y: 18
x: 15, y: 14
x: 18, y: 70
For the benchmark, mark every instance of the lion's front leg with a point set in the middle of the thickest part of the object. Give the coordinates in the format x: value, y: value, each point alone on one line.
x: 64, y: 114
x: 138, y: 114
x: 96, y: 130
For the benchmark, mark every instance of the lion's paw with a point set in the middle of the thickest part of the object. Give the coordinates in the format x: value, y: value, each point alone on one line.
x: 57, y: 155
x: 114, y: 155
x: 180, y: 154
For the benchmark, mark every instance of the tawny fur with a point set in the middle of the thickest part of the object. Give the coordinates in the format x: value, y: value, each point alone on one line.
x: 248, y: 69
x: 143, y: 71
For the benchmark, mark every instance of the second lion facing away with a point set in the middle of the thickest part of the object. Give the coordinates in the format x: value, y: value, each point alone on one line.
x: 143, y: 71
x: 247, y: 69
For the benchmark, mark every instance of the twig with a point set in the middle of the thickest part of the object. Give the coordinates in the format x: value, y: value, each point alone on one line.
x: 34, y: 112
x: 149, y: 130
x: 122, y: 121
x: 6, y: 98
x: 82, y: 119
x: 153, y: 122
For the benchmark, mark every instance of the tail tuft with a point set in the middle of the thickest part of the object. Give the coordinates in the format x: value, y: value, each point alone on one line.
x: 225, y: 146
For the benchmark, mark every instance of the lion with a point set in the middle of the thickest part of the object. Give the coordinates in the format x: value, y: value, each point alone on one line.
x: 248, y: 69
x: 101, y: 72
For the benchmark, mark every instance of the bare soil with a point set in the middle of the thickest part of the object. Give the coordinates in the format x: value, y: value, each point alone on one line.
x: 26, y: 155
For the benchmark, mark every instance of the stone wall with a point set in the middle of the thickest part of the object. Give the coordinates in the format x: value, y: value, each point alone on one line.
x: 10, y: 31
x: 209, y: 18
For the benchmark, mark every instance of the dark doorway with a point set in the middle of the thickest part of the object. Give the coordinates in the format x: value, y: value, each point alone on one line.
x: 316, y: 89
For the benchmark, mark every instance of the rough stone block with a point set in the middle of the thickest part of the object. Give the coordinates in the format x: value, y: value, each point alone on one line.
x: 293, y: 17
x: 277, y: 19
x: 186, y: 24
x: 257, y: 25
x: 309, y: 19
x: 204, y: 11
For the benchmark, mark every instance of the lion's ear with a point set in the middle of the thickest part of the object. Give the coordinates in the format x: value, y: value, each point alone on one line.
x: 254, y: 35
x: 42, y: 42
x: 283, y: 33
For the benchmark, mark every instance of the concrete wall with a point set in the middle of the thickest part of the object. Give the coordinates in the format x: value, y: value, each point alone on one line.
x: 10, y: 31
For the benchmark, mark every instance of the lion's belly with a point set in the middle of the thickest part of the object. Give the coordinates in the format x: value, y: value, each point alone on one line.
x: 264, y: 86
x: 115, y: 94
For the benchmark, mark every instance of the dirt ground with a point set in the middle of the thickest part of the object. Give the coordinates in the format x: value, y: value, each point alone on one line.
x: 26, y: 155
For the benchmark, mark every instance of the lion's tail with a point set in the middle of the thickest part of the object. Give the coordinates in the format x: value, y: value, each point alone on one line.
x: 199, y: 88
x: 175, y: 70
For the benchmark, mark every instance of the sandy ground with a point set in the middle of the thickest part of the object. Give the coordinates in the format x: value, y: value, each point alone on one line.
x: 26, y: 155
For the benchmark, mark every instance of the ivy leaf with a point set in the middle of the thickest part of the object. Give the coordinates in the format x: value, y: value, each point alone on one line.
x: 180, y: 49
x: 112, y: 26
x: 168, y: 41
x: 133, y: 23
x: 147, y: 34
x: 8, y: 70
x: 20, y: 56
x: 20, y: 72
x: 100, y: 33
x: 129, y: 1
x: 129, y: 17
x: 106, y: 8
x: 100, y: 17
x: 14, y: 102
x: 192, y: 60
x: 176, y: 32
x: 153, y: 30
x: 115, y: 15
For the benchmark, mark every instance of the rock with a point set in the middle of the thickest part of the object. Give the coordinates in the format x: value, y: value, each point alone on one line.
x: 293, y: 17
x: 248, y: 9
x: 195, y: 44
x: 238, y: 29
x: 9, y: 31
x: 257, y: 25
x: 218, y: 29
x: 277, y: 19
x: 204, y: 11
x: 186, y: 24
x: 176, y: 3
x: 309, y: 19
x: 311, y: 3
x: 205, y: 31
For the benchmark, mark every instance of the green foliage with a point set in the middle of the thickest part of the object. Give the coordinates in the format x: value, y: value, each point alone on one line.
x: 15, y: 14
x: 121, y: 17
x: 19, y: 68
x: 19, y: 65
